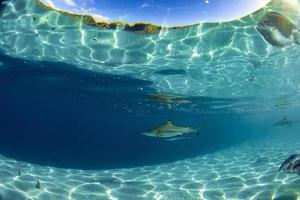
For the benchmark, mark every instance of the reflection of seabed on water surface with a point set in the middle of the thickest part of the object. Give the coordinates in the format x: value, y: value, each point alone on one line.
x: 219, y: 60
x: 249, y: 171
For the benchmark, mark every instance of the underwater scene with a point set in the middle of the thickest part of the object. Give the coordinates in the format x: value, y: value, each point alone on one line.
x: 98, y: 110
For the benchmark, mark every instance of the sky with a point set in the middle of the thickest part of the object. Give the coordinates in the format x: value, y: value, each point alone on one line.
x: 161, y: 12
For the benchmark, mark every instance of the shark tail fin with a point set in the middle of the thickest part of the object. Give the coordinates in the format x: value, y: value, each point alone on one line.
x: 296, y: 37
x: 199, y: 129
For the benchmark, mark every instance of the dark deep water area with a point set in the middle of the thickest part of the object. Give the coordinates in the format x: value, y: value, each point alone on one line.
x: 58, y: 115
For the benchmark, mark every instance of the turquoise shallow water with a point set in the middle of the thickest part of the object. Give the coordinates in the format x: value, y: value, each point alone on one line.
x: 75, y: 97
x: 225, y: 60
x: 247, y: 171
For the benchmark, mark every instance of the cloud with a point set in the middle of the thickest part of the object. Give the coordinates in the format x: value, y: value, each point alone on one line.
x: 92, y: 12
x: 86, y: 2
x: 99, y: 18
x: 70, y: 2
x: 124, y: 17
x: 49, y: 3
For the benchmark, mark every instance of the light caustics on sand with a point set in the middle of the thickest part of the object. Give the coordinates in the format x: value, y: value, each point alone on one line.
x: 249, y: 171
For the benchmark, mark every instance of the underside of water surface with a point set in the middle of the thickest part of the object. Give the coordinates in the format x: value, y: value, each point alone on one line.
x: 229, y: 59
x: 76, y: 94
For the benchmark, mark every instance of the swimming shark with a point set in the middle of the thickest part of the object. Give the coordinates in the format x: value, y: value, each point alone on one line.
x: 169, y: 130
x: 278, y: 30
x: 291, y: 164
x: 284, y: 122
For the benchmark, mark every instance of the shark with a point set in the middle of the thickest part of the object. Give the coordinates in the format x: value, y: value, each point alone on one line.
x: 284, y: 122
x: 169, y: 130
x: 291, y: 164
x: 278, y: 30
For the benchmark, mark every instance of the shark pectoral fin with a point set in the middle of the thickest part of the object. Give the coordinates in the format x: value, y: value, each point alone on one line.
x: 148, y: 134
x: 159, y: 135
x: 177, y: 138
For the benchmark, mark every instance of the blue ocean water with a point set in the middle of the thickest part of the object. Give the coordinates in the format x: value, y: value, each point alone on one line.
x: 75, y: 98
x: 53, y: 111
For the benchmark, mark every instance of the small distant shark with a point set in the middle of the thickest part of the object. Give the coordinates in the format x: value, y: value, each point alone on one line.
x: 169, y: 130
x: 291, y: 164
x: 284, y: 122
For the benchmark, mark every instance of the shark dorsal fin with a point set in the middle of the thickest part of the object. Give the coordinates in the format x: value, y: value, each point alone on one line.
x: 169, y: 121
x: 285, y: 118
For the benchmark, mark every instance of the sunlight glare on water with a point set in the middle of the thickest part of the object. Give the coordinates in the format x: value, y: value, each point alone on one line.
x: 98, y: 110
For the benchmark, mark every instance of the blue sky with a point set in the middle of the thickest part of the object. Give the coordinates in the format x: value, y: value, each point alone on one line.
x: 162, y: 12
